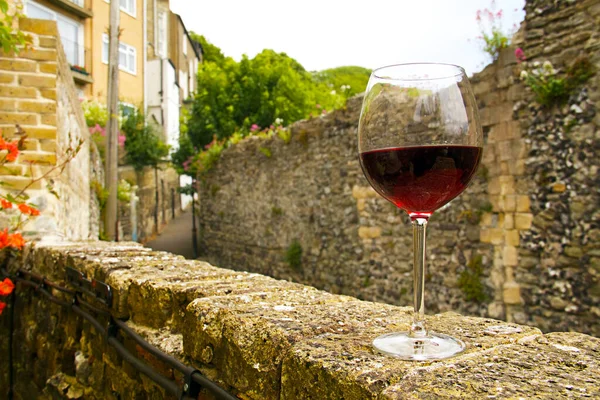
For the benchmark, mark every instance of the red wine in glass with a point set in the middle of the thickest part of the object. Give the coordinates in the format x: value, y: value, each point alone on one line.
x: 419, y: 145
x: 420, y: 179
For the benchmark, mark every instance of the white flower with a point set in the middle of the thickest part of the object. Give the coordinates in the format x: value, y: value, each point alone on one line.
x: 524, y: 74
x: 333, y: 92
x: 548, y: 68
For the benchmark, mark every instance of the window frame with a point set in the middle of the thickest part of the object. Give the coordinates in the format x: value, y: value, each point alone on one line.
x: 132, y: 13
x: 56, y: 16
x: 129, y: 50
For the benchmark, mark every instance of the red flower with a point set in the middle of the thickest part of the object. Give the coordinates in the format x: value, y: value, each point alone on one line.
x: 6, y: 287
x: 16, y: 240
x: 2, y: 306
x: 27, y: 210
x: 5, y: 203
x: 11, y: 147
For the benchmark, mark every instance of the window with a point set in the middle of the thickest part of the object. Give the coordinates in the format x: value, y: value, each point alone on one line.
x: 127, y: 55
x: 127, y: 6
x: 71, y: 31
x: 185, y: 44
x: 161, y: 34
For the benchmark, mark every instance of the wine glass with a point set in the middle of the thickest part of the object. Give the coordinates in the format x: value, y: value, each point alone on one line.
x: 419, y: 141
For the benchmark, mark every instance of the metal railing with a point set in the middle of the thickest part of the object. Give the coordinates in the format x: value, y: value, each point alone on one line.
x: 77, y: 55
x: 101, y: 293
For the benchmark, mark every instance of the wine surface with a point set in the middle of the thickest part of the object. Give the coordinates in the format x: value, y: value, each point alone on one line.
x: 420, y: 179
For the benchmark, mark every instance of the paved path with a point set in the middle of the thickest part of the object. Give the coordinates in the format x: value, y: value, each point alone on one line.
x: 176, y: 236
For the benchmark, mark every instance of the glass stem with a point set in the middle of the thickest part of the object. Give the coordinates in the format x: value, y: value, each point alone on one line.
x: 418, y: 328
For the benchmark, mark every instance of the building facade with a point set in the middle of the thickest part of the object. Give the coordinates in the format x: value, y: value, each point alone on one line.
x: 157, y: 58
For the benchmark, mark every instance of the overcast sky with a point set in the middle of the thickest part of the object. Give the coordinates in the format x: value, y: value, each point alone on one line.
x: 324, y: 34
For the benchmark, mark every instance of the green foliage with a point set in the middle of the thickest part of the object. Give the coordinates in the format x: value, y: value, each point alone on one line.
x: 266, y: 151
x: 11, y: 40
x: 143, y: 145
x: 495, y: 42
x: 293, y: 255
x: 470, y: 283
x: 276, y: 211
x: 125, y: 191
x: 100, y: 192
x: 494, y: 38
x: 210, y: 52
x: 348, y: 81
x: 234, y: 97
x: 95, y: 113
x: 549, y: 88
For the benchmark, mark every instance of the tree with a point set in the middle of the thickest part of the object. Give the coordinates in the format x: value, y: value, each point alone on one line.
x: 348, y: 80
x: 143, y: 145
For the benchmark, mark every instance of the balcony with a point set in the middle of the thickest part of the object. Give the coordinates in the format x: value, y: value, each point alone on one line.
x: 81, y: 8
x: 80, y: 59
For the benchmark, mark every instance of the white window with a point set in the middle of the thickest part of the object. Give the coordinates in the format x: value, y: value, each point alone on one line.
x: 71, y: 31
x: 127, y: 6
x: 127, y: 55
x: 185, y: 44
x: 192, y: 76
x: 161, y: 34
x: 183, y: 83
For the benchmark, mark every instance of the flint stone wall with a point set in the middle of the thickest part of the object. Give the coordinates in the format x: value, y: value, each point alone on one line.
x: 262, y: 338
x: 520, y: 244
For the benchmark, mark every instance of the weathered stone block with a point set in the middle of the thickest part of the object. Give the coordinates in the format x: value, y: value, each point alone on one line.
x: 8, y: 105
x: 39, y: 54
x: 509, y: 221
x: 49, y: 119
x: 511, y: 292
x: 523, y: 221
x: 511, y: 237
x: 20, y: 183
x: 48, y: 145
x: 523, y: 203
x: 42, y: 82
x: 18, y: 118
x: 38, y: 26
x: 39, y: 133
x: 369, y: 232
x: 510, y: 203
x: 48, y: 93
x: 18, y: 65
x: 48, y: 67
x: 49, y: 42
x: 363, y: 192
x: 510, y: 256
x: 37, y: 106
x: 37, y: 157
x: 17, y: 91
x: 7, y: 78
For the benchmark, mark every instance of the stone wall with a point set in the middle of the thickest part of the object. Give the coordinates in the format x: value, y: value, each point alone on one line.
x: 261, y: 338
x: 165, y: 185
x: 520, y: 244
x: 37, y: 98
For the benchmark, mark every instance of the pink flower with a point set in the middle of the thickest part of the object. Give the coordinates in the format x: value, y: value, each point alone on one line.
x: 98, y: 129
x: 122, y: 139
x: 519, y: 54
x: 254, y: 128
x: 499, y: 14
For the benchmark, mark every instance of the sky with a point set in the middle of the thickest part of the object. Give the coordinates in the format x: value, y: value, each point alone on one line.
x: 323, y: 34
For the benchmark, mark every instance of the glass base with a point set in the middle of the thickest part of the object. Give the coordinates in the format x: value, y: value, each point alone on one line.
x: 434, y: 346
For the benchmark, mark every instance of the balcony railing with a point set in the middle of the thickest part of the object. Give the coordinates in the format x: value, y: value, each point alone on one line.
x: 80, y: 59
x: 81, y: 8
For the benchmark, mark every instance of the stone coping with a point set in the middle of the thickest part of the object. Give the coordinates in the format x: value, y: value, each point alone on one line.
x: 263, y: 338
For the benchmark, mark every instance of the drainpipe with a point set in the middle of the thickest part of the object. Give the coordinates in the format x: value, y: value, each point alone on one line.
x: 145, y: 51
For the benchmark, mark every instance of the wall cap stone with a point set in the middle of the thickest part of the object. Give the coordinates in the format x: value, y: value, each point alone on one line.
x: 264, y: 338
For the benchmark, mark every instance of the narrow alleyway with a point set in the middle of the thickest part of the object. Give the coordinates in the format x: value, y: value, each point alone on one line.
x: 176, y: 236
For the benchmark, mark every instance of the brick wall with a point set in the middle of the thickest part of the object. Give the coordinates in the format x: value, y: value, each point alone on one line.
x: 37, y: 98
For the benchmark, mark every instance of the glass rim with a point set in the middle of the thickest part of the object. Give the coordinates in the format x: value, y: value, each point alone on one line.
x: 459, y: 71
